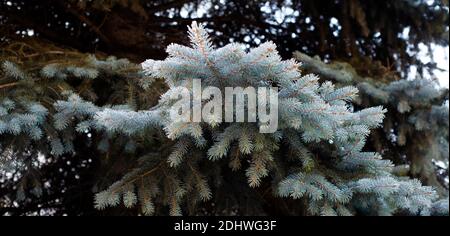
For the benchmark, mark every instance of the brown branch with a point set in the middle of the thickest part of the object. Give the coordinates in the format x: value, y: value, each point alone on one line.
x: 8, y: 85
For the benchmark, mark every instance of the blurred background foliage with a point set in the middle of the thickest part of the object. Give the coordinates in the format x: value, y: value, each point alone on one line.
x: 382, y: 40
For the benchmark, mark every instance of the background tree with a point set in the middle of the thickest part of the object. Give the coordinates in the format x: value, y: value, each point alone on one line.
x: 370, y: 43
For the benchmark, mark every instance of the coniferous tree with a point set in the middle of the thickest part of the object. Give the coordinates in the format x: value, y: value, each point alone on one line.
x: 417, y: 125
x: 316, y: 154
x: 73, y: 125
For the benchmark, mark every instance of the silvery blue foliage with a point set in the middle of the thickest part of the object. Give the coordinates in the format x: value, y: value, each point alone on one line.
x: 22, y: 118
x: 13, y: 70
x: 417, y: 121
x: 310, y: 114
x: 441, y: 207
x: 318, y: 151
x: 126, y: 121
